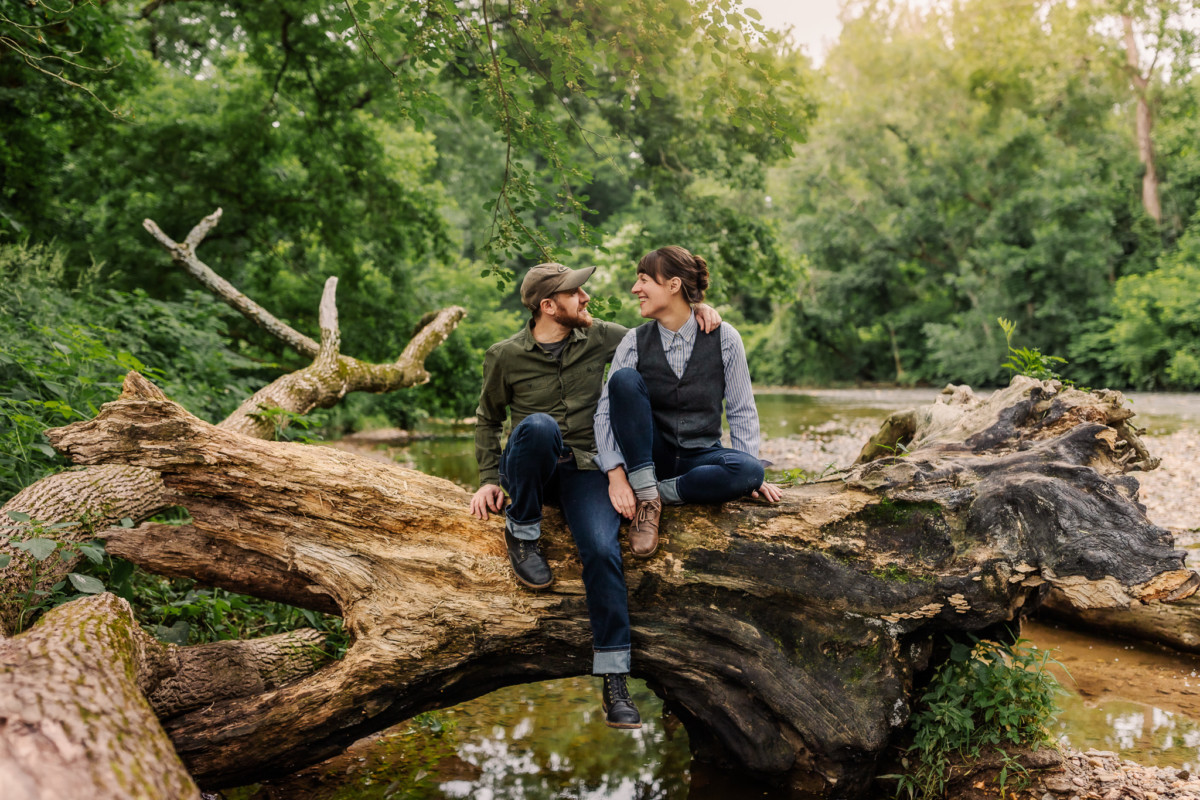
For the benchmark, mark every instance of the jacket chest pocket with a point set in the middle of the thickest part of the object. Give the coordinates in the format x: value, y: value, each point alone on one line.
x: 532, y: 389
x: 587, y: 381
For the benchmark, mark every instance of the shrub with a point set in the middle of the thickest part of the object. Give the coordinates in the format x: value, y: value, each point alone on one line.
x: 990, y: 695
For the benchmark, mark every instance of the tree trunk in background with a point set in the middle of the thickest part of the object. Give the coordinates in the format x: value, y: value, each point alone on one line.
x: 1145, y: 122
x: 1176, y: 624
x: 787, y: 637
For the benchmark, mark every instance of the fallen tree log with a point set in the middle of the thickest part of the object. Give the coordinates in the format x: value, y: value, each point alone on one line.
x: 82, y: 692
x: 787, y: 637
x: 85, y: 661
x: 1174, y: 624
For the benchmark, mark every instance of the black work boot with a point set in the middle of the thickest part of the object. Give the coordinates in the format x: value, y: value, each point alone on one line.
x: 527, y: 561
x: 619, y: 710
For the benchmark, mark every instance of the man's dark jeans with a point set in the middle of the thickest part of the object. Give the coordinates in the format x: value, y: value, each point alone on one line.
x: 536, y: 469
x: 695, y: 475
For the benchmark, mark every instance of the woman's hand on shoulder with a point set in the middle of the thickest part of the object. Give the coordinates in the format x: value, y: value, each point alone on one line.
x: 707, y: 317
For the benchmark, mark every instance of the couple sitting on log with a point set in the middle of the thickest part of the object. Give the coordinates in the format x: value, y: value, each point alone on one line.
x: 602, y: 451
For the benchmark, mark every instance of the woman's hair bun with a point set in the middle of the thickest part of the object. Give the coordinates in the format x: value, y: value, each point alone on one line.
x: 701, y: 273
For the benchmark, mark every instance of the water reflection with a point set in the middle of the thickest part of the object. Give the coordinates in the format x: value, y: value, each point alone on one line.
x: 1151, y: 736
x: 1140, y: 701
x: 531, y: 742
x: 552, y: 742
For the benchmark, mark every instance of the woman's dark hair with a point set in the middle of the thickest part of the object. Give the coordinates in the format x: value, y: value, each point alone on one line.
x: 676, y: 262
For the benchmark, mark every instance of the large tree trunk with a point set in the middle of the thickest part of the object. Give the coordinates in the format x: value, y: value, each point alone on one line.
x: 74, y: 720
x: 81, y: 695
x: 787, y: 637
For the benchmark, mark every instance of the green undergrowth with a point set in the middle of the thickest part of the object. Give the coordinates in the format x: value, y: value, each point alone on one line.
x: 181, y: 611
x: 39, y: 541
x: 987, y: 698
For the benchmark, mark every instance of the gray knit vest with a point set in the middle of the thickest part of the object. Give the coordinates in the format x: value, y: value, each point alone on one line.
x: 687, y: 410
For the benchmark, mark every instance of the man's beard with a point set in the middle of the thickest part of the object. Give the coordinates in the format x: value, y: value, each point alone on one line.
x: 580, y: 319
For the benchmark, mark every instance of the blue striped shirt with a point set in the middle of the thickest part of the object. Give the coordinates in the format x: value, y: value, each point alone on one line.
x: 677, y: 345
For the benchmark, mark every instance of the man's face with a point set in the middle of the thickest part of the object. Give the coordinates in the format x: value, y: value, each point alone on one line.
x: 570, y: 308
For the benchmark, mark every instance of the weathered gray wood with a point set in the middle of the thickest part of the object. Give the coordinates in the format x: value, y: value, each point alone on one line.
x: 1175, y: 624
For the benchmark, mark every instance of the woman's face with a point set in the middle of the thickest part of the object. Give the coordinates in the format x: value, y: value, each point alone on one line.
x: 653, y: 297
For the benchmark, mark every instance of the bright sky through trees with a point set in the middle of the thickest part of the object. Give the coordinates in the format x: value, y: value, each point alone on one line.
x: 814, y: 23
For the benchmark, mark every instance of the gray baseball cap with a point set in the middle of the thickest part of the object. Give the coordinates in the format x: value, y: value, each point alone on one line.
x: 547, y: 279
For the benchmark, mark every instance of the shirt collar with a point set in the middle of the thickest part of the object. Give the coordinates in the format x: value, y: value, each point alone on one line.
x: 687, y: 331
x: 528, y: 342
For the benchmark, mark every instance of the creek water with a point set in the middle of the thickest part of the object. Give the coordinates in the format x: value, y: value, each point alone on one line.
x: 548, y: 740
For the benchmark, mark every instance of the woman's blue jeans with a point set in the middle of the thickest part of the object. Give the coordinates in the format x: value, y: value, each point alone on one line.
x: 536, y: 468
x: 685, y: 475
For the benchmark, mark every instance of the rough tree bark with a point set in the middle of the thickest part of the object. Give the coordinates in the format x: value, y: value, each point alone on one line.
x: 787, y: 637
x: 81, y: 695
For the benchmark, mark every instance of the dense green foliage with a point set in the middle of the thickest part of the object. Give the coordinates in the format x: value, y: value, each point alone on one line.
x: 948, y: 185
x: 65, y: 345
x: 403, y: 147
x: 986, y: 697
x: 409, y: 147
x: 968, y: 162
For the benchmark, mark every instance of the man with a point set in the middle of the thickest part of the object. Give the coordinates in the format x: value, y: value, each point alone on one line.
x: 549, y: 376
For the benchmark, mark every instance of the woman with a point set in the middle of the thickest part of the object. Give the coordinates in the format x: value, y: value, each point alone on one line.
x: 658, y: 423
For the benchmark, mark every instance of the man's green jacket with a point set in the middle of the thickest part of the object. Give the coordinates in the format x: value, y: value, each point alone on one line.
x: 519, y: 375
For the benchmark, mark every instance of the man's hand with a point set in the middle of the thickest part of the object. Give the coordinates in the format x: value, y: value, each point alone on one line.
x: 707, y: 317
x: 768, y: 491
x: 620, y: 493
x: 489, y: 498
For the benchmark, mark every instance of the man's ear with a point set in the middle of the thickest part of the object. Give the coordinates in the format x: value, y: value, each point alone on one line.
x: 549, y: 307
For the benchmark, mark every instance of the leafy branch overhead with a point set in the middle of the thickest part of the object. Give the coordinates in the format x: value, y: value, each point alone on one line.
x: 552, y: 76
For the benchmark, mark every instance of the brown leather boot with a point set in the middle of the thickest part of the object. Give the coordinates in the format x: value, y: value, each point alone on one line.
x: 643, y: 532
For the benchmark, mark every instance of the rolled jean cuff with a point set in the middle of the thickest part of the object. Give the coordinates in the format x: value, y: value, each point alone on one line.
x: 669, y: 492
x: 642, y: 477
x: 529, y: 531
x: 606, y: 662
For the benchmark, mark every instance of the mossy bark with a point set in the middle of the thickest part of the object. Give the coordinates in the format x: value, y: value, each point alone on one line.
x: 73, y: 718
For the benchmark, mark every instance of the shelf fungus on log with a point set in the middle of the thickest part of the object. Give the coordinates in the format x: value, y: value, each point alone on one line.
x: 785, y: 636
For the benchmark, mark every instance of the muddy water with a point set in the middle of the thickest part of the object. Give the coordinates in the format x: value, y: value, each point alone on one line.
x: 548, y: 740
x: 1131, y: 698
